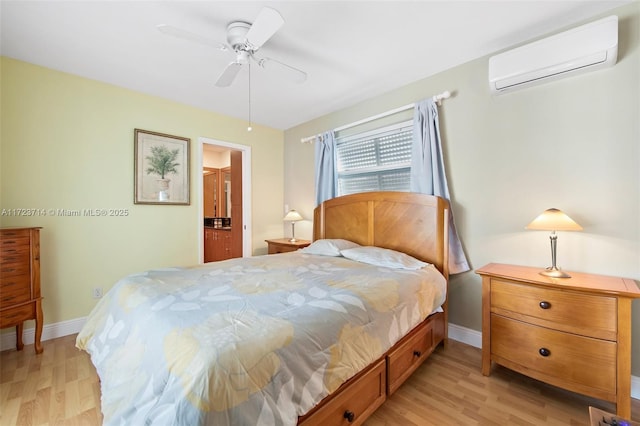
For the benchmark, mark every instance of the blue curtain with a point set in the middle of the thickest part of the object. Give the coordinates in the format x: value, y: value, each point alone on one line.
x: 428, y: 174
x: 326, y: 180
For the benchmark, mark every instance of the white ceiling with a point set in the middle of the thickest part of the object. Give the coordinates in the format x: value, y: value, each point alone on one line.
x: 351, y: 50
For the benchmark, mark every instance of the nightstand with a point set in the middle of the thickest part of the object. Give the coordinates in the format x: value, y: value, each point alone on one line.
x: 574, y: 333
x: 283, y: 245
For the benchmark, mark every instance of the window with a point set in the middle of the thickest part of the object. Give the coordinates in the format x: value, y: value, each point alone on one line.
x: 377, y: 160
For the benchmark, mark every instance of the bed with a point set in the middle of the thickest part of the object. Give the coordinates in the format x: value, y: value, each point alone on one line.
x: 321, y: 336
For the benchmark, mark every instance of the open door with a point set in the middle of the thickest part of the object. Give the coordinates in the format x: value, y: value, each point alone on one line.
x: 237, y: 228
x: 233, y: 198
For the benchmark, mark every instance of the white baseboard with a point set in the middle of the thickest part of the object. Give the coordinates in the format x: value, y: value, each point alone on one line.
x: 49, y: 331
x: 65, y: 328
x: 635, y: 387
x: 465, y: 335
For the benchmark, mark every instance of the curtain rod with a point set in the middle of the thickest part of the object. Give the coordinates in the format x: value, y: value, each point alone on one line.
x: 436, y: 98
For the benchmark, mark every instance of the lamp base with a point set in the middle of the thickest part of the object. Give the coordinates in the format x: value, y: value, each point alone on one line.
x: 292, y: 240
x: 554, y: 272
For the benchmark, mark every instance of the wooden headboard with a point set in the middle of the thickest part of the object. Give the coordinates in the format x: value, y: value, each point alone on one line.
x: 415, y: 224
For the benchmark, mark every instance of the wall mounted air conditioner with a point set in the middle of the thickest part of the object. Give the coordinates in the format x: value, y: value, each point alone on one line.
x: 585, y: 48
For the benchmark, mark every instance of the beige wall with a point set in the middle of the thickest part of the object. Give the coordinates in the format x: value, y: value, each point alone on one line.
x: 572, y: 144
x: 67, y: 143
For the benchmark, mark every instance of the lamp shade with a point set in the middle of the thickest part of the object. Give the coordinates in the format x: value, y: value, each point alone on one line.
x: 554, y: 220
x: 292, y: 216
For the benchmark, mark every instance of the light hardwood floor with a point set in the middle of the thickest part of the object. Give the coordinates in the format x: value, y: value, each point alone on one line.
x: 60, y: 387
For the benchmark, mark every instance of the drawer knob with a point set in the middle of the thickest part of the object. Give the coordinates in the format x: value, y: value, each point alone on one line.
x: 544, y: 351
x: 545, y: 305
x: 417, y: 354
x: 349, y: 415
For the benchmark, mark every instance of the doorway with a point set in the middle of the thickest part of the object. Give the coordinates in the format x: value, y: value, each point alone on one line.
x: 241, y: 156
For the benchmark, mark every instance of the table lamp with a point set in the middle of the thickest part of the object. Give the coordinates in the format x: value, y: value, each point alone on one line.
x: 554, y: 220
x: 293, y: 216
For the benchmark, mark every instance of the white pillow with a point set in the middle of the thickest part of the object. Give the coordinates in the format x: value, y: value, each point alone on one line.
x: 383, y: 257
x: 329, y: 247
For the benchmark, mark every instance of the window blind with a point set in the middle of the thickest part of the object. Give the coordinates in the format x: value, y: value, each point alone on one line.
x: 377, y: 160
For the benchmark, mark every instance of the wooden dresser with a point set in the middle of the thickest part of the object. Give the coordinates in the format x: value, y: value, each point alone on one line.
x: 20, y: 298
x: 574, y: 333
x: 283, y: 245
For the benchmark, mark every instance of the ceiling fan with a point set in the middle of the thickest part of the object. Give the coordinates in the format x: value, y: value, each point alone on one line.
x: 244, y: 40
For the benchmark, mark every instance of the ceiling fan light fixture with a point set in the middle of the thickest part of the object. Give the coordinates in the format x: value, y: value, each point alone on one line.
x: 237, y: 34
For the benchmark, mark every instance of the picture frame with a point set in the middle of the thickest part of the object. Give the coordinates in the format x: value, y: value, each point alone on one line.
x: 161, y: 168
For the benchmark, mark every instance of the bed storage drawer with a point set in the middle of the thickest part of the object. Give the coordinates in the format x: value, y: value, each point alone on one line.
x: 352, y: 405
x: 578, y: 363
x: 412, y: 351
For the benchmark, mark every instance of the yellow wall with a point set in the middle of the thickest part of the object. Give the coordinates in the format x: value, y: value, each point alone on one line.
x: 67, y: 143
x: 573, y: 144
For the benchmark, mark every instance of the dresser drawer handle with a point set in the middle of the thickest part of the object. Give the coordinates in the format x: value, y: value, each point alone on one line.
x: 417, y: 354
x: 544, y: 351
x: 545, y: 304
x: 349, y: 415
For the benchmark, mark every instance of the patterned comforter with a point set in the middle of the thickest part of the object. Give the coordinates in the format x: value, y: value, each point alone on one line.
x: 251, y: 341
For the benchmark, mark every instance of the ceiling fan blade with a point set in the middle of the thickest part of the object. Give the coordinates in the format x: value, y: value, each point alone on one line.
x: 264, y: 27
x: 186, y: 35
x: 229, y: 74
x: 291, y: 73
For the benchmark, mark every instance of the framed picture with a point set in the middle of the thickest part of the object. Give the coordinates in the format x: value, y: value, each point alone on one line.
x: 161, y: 168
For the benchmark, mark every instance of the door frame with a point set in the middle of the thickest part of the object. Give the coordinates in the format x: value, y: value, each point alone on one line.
x: 246, y: 194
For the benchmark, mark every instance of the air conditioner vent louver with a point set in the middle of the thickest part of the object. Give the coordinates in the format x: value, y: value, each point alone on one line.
x: 586, y: 48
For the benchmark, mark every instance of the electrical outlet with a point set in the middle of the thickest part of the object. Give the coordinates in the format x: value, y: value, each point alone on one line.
x: 97, y: 292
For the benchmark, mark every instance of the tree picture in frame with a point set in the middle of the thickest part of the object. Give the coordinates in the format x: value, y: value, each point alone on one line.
x: 161, y: 168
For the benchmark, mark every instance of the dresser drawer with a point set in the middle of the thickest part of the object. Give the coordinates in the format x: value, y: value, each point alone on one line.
x: 14, y: 249
x: 14, y: 269
x: 15, y: 256
x: 408, y: 356
x: 13, y: 238
x: 278, y: 248
x: 355, y: 403
x: 579, y: 313
x: 14, y: 290
x: 14, y: 316
x: 581, y: 364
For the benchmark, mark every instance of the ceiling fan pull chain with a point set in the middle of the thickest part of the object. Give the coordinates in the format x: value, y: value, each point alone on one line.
x: 249, y: 128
